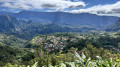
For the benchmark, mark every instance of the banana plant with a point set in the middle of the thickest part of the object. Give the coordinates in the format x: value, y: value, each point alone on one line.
x: 81, y: 61
x: 109, y: 63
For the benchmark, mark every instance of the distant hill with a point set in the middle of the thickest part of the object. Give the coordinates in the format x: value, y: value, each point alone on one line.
x: 68, y: 19
x: 114, y: 27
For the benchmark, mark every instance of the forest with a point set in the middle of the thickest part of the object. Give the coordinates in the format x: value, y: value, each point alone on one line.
x: 94, y: 49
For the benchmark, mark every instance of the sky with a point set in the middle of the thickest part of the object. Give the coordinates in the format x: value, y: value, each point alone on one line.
x: 103, y: 7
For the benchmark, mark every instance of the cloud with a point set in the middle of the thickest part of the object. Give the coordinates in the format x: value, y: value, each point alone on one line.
x: 41, y: 4
x: 101, y: 9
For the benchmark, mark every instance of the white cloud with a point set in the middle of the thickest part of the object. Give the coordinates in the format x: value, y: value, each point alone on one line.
x: 101, y: 9
x: 41, y: 4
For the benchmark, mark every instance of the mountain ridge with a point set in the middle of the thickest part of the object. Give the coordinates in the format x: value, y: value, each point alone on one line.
x: 26, y: 29
x: 68, y: 19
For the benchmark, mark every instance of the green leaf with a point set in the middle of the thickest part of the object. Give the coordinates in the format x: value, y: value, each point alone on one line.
x: 35, y: 65
x: 110, y: 62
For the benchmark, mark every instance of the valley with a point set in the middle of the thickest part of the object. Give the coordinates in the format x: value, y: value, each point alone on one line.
x: 55, y: 38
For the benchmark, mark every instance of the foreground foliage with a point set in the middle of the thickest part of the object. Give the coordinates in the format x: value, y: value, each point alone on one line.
x: 81, y: 61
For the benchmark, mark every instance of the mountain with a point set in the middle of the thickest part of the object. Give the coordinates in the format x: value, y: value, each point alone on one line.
x: 27, y: 29
x: 114, y: 27
x: 69, y: 19
x: 11, y: 25
x: 64, y: 18
x: 8, y: 24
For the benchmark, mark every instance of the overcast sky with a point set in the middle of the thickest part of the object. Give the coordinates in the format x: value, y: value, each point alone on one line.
x: 74, y: 6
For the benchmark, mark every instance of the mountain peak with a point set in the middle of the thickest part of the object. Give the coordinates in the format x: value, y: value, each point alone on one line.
x: 7, y: 17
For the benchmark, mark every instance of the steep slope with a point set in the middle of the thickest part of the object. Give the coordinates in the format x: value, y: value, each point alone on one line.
x: 114, y: 27
x: 8, y: 24
x: 11, y: 25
